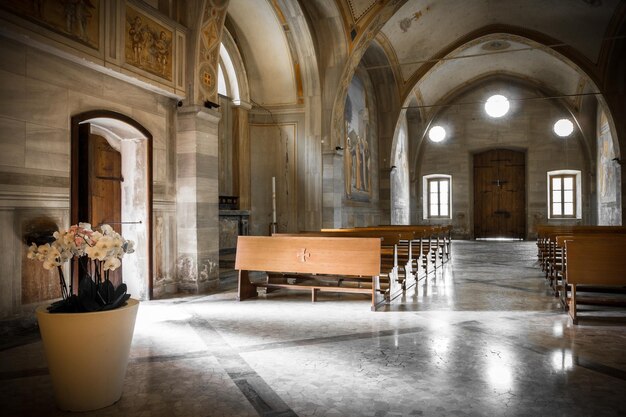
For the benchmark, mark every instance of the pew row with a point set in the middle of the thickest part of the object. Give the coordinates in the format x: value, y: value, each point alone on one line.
x: 430, y: 245
x: 437, y: 235
x: 323, y: 263
x: 595, y: 261
x: 550, y: 255
x: 395, y: 253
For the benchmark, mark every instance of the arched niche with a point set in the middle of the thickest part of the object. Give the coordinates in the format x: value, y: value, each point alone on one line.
x: 134, y: 143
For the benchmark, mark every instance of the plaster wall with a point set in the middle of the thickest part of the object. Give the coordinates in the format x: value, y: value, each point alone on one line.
x: 39, y: 95
x: 527, y: 127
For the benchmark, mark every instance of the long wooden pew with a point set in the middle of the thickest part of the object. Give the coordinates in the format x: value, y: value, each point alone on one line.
x: 593, y: 261
x: 431, y: 245
x: 550, y: 255
x: 434, y: 241
x: 395, y: 257
x: 322, y: 260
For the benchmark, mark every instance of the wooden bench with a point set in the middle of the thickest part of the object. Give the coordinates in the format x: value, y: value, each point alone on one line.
x: 550, y: 255
x: 393, y: 264
x: 431, y: 245
x: 323, y: 262
x: 594, y: 261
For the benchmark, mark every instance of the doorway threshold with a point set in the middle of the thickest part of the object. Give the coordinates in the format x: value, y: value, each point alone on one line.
x: 500, y: 239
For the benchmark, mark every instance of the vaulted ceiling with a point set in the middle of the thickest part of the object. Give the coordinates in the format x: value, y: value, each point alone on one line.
x: 436, y: 47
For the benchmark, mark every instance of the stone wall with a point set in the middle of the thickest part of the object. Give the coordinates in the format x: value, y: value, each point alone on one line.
x: 40, y: 93
x: 527, y: 127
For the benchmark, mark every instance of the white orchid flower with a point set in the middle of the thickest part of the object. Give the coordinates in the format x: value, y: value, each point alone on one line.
x: 93, y: 252
x: 85, y: 226
x: 32, y: 251
x: 107, y: 230
x: 105, y: 243
x: 112, y: 264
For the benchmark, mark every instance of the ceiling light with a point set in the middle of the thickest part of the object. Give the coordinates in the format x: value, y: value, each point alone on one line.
x: 563, y: 127
x: 497, y: 106
x: 436, y: 134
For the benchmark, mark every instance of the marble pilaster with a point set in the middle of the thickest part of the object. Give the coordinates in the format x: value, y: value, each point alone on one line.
x: 197, y: 199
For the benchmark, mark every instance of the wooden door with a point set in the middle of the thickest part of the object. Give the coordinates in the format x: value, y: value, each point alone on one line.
x: 100, y: 165
x: 500, y: 194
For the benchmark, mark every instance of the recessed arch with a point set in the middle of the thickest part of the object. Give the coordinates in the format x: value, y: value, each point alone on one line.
x: 134, y: 142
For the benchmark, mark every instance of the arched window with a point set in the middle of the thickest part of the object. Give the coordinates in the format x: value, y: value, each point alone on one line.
x: 227, y: 83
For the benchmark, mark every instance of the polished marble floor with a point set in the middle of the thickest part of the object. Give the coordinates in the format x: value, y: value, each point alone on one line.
x: 483, y: 337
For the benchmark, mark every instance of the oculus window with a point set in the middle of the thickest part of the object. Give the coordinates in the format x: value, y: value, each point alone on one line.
x: 564, y: 196
x: 497, y: 106
x: 437, y: 196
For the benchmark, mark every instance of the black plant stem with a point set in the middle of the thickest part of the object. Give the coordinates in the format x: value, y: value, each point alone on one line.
x: 64, y: 293
x: 99, y: 271
x: 106, y: 277
x: 83, y: 266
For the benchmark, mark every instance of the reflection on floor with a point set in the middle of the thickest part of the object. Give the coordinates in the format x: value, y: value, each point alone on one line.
x: 483, y: 337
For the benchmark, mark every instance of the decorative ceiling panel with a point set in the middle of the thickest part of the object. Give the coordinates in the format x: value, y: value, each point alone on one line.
x: 359, y: 8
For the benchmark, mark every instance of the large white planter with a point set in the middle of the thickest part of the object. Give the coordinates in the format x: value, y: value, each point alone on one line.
x: 87, y: 354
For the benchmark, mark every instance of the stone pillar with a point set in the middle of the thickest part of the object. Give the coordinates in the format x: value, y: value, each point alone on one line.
x: 334, y: 190
x: 197, y: 213
x: 241, y: 155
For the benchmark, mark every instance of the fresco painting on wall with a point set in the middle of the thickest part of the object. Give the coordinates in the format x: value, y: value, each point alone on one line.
x: 78, y: 20
x: 358, y: 176
x: 608, y: 188
x: 148, y: 45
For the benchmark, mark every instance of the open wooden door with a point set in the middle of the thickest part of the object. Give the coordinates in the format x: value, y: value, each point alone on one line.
x: 100, y: 171
x: 500, y: 194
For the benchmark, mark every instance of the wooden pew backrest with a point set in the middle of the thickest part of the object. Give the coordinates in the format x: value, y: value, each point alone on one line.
x: 309, y: 255
x: 596, y: 261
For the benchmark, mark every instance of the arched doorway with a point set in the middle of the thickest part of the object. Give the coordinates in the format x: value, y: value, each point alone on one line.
x: 111, y: 182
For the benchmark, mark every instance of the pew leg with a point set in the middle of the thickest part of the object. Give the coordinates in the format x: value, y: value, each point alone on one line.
x: 395, y: 287
x: 572, y: 306
x: 378, y: 297
x: 314, y: 292
x: 246, y: 288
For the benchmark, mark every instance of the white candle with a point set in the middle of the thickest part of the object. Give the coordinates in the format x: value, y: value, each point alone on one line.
x: 273, y: 199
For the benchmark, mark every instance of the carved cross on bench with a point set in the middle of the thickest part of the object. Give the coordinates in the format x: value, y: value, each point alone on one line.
x: 303, y: 255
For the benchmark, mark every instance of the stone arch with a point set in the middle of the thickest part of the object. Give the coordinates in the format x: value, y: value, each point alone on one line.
x: 135, y: 145
x: 592, y: 94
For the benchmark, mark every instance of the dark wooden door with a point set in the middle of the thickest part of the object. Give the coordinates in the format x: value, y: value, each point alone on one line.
x: 101, y: 199
x: 500, y: 194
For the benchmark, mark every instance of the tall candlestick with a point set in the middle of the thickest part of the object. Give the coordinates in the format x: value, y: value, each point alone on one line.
x: 273, y: 199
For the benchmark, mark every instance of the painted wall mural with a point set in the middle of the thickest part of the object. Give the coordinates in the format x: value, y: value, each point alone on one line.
x: 357, y: 144
x: 607, y: 189
x: 609, y: 177
x: 148, y: 44
x: 78, y: 20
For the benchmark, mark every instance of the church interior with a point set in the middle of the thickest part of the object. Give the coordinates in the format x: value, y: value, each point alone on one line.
x: 190, y: 125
